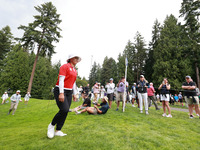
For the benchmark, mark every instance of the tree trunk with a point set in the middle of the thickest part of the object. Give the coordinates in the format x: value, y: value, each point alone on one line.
x: 197, y: 74
x: 33, y: 70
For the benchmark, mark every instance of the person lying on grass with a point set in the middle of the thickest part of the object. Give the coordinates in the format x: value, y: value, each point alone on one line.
x: 86, y: 103
x: 95, y: 110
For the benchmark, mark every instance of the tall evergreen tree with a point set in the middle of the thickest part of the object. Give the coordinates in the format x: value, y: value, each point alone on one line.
x: 169, y: 54
x: 152, y: 45
x: 109, y: 70
x: 95, y: 74
x: 130, y: 53
x: 191, y: 12
x: 6, y: 38
x: 42, y: 33
x: 141, y: 54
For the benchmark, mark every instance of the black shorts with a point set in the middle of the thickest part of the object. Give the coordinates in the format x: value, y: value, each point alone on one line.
x: 181, y: 100
x: 110, y: 96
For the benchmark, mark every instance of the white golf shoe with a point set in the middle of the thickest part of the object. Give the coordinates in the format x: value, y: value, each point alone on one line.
x: 60, y: 133
x: 50, y: 131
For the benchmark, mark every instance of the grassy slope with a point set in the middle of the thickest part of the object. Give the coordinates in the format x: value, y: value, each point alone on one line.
x: 114, y: 130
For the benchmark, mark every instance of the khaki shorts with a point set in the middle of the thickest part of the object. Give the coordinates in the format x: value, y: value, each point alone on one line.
x: 190, y: 100
x: 120, y: 96
x: 95, y: 112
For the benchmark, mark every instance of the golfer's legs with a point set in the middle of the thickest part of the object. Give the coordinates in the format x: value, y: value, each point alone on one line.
x: 60, y: 117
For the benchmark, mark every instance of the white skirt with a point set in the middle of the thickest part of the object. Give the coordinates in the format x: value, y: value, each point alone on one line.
x: 164, y: 97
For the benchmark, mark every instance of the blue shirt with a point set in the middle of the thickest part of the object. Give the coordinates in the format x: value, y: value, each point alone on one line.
x: 104, y: 107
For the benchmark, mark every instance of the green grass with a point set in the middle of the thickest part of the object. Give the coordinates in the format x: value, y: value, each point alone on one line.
x: 112, y: 131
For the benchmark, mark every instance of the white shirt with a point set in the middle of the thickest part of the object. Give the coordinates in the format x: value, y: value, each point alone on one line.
x: 110, y: 88
x: 4, y: 96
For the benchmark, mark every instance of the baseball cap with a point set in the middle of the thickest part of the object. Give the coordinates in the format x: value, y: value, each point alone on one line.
x: 111, y: 78
x: 18, y: 91
x: 188, y: 77
x: 72, y: 56
x: 142, y: 76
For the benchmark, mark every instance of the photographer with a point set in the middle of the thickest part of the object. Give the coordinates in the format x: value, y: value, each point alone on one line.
x: 165, y: 87
x: 142, y: 86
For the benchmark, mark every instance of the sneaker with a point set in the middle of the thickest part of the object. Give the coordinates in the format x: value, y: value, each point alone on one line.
x: 60, y: 133
x: 141, y: 111
x: 50, y: 131
x: 197, y: 115
x: 191, y: 117
x: 146, y: 112
x: 157, y: 108
x: 164, y: 115
x: 117, y: 109
x: 169, y: 116
x: 70, y: 110
x: 77, y: 112
x: 133, y: 105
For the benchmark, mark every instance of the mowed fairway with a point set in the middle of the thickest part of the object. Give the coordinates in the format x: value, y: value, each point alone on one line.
x: 115, y: 130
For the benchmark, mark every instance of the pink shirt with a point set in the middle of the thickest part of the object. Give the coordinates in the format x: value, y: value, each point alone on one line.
x: 150, y: 91
x: 96, y: 89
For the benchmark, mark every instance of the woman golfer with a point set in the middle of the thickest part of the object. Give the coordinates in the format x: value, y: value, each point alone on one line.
x: 63, y: 92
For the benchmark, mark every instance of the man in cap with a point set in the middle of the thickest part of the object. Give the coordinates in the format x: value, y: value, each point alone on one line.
x: 95, y: 110
x: 15, y: 99
x: 110, y: 91
x: 191, y: 95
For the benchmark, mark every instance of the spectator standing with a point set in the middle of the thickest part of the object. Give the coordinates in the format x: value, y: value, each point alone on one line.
x: 180, y: 97
x: 158, y: 98
x: 110, y: 91
x: 171, y: 100
x: 176, y: 99
x: 164, y: 88
x: 80, y: 91
x: 4, y: 97
x: 26, y: 98
x: 102, y: 92
x: 142, y: 86
x: 190, y: 96
x: 151, y: 92
x: 15, y: 99
x: 65, y: 88
x: 120, y: 92
x: 134, y: 94
x: 96, y: 92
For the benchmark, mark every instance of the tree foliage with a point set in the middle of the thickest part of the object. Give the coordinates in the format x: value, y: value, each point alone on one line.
x: 41, y: 34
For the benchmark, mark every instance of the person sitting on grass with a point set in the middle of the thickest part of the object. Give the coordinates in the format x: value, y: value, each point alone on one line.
x: 95, y: 110
x: 86, y: 103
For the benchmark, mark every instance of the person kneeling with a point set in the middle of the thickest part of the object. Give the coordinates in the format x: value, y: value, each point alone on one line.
x: 95, y: 110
